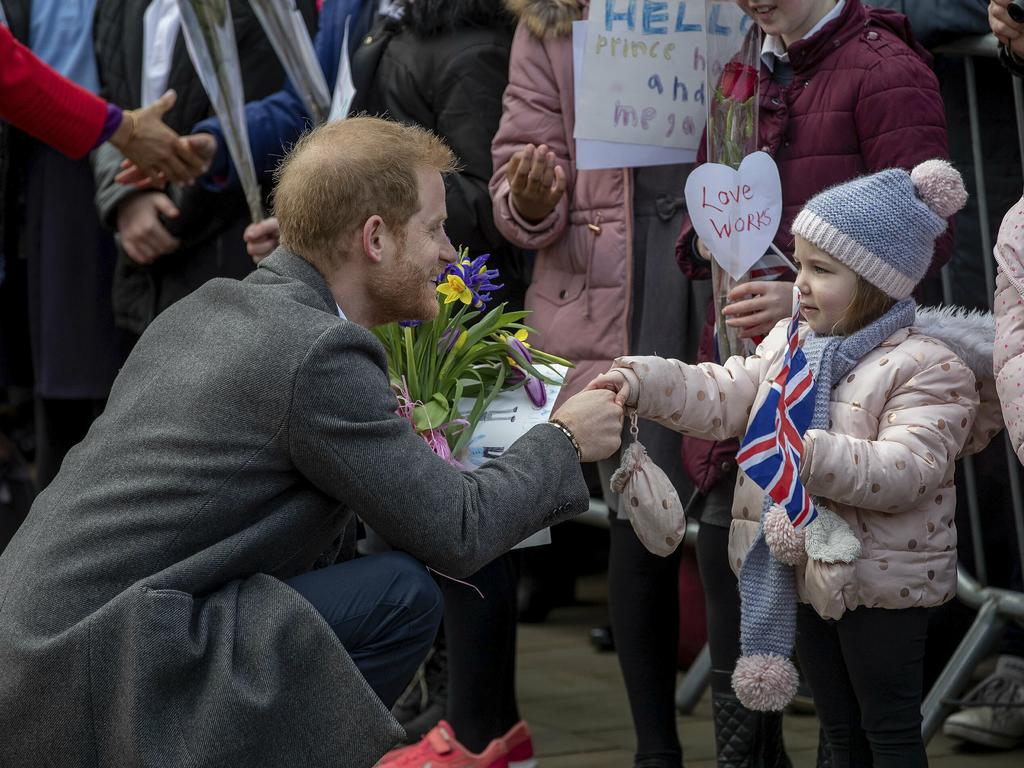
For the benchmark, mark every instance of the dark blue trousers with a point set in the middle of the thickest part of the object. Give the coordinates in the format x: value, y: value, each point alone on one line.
x: 385, y: 609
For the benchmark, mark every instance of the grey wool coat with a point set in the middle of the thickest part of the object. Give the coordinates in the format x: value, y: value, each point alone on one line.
x: 143, y: 617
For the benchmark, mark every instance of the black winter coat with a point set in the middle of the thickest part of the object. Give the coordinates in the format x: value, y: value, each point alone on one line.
x: 211, y: 223
x: 450, y: 80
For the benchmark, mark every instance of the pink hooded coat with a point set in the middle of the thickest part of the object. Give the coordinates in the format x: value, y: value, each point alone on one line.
x: 898, y: 421
x: 580, y: 293
x: 1008, y: 355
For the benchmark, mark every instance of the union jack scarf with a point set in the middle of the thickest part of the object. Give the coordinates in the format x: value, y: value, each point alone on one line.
x: 773, y: 445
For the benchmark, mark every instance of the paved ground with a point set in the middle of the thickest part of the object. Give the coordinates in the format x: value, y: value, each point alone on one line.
x: 575, y: 702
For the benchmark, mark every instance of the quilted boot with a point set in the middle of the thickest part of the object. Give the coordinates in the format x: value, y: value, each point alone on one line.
x: 747, y: 739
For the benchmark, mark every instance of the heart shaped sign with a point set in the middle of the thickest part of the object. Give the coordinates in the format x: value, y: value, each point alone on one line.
x: 736, y: 212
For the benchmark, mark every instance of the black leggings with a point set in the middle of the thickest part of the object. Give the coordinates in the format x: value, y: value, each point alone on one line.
x: 722, y: 603
x: 644, y: 605
x: 481, y: 636
x: 866, y: 671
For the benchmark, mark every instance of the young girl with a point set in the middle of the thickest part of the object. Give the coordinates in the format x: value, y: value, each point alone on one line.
x: 844, y: 91
x: 894, y: 408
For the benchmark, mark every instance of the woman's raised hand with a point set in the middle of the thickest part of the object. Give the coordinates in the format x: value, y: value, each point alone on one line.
x: 537, y: 181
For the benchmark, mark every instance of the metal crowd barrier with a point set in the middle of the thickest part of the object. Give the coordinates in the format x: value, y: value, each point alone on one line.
x: 996, y: 607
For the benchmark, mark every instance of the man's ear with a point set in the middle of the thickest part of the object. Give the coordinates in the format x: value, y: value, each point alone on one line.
x: 374, y: 234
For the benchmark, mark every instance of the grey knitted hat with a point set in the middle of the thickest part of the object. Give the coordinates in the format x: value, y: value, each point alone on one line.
x: 884, y: 226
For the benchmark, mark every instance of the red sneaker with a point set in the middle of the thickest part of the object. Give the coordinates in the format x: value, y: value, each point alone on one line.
x: 440, y: 749
x: 520, y: 746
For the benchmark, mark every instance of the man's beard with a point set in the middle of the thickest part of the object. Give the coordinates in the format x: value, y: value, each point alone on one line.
x: 404, y: 292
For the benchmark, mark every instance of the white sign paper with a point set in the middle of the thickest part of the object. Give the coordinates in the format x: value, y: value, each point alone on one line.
x: 592, y: 154
x: 344, y: 88
x: 736, y: 213
x: 510, y: 416
x: 643, y: 73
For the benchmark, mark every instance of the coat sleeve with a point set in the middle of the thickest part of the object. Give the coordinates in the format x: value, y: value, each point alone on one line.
x: 531, y: 114
x: 922, y: 427
x: 1009, y: 358
x: 38, y: 100
x: 692, y: 265
x: 347, y: 441
x: 901, y: 122
x: 706, y: 400
x: 467, y: 113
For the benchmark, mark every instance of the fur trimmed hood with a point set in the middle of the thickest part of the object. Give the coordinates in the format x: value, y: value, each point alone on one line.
x: 970, y: 334
x: 548, y: 18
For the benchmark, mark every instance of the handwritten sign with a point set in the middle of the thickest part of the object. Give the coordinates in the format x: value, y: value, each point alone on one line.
x: 736, y: 213
x: 643, y: 73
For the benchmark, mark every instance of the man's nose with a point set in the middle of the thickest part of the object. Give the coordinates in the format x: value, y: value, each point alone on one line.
x: 449, y: 254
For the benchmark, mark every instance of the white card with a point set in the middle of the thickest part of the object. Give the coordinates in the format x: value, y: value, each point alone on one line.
x: 344, y: 88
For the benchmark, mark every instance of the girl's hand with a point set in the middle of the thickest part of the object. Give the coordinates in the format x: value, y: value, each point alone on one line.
x: 759, y: 305
x: 613, y: 381
x: 537, y: 182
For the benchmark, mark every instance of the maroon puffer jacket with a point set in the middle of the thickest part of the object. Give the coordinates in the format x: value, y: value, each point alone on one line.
x: 863, y: 98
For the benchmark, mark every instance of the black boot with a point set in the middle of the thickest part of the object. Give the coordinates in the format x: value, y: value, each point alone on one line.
x: 747, y: 739
x: 824, y: 751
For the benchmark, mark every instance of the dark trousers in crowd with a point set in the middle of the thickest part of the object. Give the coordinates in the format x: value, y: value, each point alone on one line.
x: 60, y: 425
x: 481, y: 637
x: 385, y: 609
x: 866, y: 673
x: 644, y: 592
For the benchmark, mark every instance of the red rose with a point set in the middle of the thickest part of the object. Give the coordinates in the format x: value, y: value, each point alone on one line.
x: 739, y: 81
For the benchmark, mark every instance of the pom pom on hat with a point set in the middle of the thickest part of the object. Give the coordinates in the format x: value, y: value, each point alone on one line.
x: 940, y: 187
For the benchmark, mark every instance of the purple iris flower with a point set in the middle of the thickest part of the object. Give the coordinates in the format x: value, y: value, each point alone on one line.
x: 476, y: 276
x: 409, y: 323
x: 447, y: 340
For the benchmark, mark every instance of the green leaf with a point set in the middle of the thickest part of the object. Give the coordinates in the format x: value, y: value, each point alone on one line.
x: 431, y: 414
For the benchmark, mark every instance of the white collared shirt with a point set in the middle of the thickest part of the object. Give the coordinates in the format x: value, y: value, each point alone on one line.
x: 340, y: 313
x: 773, y: 48
x: 160, y: 25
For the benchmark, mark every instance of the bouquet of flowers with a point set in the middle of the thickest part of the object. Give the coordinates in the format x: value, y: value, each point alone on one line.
x: 466, y: 355
x: 210, y: 40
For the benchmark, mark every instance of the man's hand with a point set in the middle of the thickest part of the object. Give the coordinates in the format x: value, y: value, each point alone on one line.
x: 1006, y: 30
x: 537, y: 182
x: 595, y: 420
x: 158, y: 151
x: 759, y: 306
x: 143, y: 236
x: 261, y: 238
x: 613, y: 381
x: 201, y: 145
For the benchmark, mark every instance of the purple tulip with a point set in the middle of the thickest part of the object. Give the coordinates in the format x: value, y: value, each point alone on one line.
x: 537, y: 391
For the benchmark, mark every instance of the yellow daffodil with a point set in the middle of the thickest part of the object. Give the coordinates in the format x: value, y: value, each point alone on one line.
x: 461, y: 341
x: 454, y: 289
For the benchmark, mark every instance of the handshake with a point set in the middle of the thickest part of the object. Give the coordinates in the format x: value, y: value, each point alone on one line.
x: 595, y: 416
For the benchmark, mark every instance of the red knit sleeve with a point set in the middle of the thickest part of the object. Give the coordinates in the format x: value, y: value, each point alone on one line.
x: 39, y: 101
